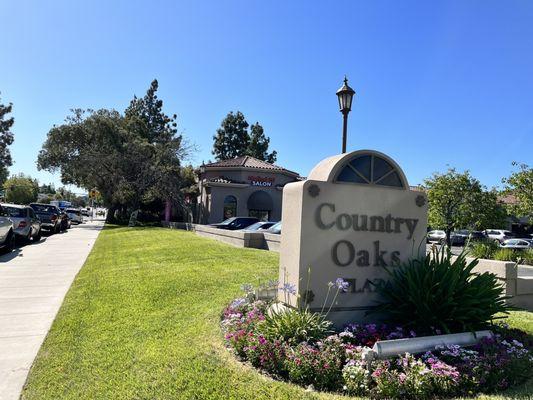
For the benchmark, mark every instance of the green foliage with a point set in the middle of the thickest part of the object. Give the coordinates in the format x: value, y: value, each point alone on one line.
x: 21, y: 189
x: 234, y: 140
x: 438, y: 292
x: 131, y: 159
x: 295, y: 326
x: 258, y: 146
x: 458, y: 200
x: 508, y: 255
x: 6, y: 139
x: 483, y: 249
x: 520, y: 185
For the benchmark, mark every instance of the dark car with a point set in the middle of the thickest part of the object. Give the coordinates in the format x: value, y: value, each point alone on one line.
x: 236, y: 223
x: 49, y: 215
x: 260, y: 226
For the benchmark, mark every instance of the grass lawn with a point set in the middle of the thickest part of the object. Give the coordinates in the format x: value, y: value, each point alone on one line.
x: 141, y: 321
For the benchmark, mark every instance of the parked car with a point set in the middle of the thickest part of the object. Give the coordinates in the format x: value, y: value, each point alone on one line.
x: 470, y: 235
x: 516, y: 244
x: 49, y: 215
x: 26, y: 224
x: 260, y: 226
x: 65, y: 220
x: 276, y: 228
x: 74, y: 215
x: 456, y: 238
x: 499, y: 235
x: 85, y: 212
x: 7, y: 235
x: 235, y: 223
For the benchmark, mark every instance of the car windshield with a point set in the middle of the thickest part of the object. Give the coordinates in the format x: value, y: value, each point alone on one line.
x: 275, y: 227
x: 44, y: 208
x: 73, y: 212
x: 507, y: 233
x: 228, y: 221
x: 463, y: 232
x: 15, y: 211
x: 256, y: 226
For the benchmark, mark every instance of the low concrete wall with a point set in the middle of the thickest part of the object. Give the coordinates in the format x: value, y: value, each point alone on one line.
x: 519, y: 288
x: 255, y: 240
x: 271, y: 241
x: 235, y: 238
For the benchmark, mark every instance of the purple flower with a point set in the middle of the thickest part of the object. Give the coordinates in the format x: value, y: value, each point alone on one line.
x: 342, y: 285
x: 288, y: 288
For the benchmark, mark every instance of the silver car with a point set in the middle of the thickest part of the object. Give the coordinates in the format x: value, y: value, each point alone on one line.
x: 7, y: 236
x: 26, y: 224
x: 74, y: 215
x: 517, y: 244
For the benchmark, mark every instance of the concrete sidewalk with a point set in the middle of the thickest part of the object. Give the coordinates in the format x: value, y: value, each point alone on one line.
x: 33, y: 282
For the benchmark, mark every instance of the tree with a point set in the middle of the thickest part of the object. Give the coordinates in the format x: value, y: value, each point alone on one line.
x: 131, y: 159
x: 520, y: 185
x: 453, y: 199
x: 232, y: 137
x: 234, y: 140
x: 6, y: 139
x: 21, y: 189
x: 258, y: 145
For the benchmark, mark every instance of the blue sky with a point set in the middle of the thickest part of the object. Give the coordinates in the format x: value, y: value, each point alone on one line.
x: 438, y: 83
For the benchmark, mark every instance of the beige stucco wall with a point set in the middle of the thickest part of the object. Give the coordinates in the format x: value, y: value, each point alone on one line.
x: 213, y: 194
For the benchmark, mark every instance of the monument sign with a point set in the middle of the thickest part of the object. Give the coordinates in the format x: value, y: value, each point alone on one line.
x: 353, y: 216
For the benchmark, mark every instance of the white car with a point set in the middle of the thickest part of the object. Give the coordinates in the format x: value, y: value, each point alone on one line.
x: 436, y: 236
x: 74, y: 215
x: 7, y: 231
x: 499, y: 235
x: 517, y: 244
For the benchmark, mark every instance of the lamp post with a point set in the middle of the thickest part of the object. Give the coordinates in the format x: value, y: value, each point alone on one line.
x: 345, y: 95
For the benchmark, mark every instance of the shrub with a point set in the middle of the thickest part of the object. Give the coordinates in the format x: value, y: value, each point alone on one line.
x: 436, y: 292
x: 320, y: 366
x: 483, y: 249
x: 527, y: 256
x: 508, y: 255
x: 294, y: 326
x: 265, y: 354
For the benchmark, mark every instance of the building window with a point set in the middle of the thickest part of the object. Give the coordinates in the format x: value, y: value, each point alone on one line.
x: 230, y: 207
x: 262, y: 215
x: 260, y: 205
x: 372, y: 170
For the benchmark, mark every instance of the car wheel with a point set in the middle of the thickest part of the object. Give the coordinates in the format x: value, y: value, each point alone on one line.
x: 57, y: 228
x: 27, y: 239
x: 10, y: 242
x: 37, y: 237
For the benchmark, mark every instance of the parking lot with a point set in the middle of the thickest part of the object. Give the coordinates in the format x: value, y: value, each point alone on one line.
x: 34, y: 279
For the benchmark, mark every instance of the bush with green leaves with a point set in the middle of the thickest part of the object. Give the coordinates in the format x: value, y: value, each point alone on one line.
x: 440, y: 292
x: 508, y: 255
x: 294, y: 326
x: 483, y: 249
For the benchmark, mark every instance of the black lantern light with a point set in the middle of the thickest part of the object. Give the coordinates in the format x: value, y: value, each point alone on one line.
x: 345, y: 95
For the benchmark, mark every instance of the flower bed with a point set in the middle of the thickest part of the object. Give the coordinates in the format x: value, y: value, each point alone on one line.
x: 334, y: 361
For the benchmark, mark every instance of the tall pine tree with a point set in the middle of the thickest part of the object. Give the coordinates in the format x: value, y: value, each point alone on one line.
x: 6, y: 139
x: 232, y: 137
x: 234, y: 140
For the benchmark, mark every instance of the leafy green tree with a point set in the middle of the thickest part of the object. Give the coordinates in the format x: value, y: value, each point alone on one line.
x: 131, y: 159
x: 21, y: 189
x: 520, y: 185
x: 452, y: 198
x: 234, y: 140
x: 258, y: 145
x: 6, y: 139
x: 47, y: 189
